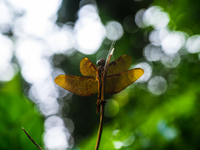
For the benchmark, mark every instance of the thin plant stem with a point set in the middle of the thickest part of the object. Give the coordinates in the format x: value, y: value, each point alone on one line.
x: 31, y: 139
x: 100, y: 126
x: 103, y: 101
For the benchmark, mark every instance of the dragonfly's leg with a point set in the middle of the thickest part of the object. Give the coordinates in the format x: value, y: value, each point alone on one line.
x: 100, y: 102
x: 98, y: 105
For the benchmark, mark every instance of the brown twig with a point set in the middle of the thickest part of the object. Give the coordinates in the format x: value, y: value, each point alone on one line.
x: 31, y: 139
x: 100, y: 126
x: 103, y: 101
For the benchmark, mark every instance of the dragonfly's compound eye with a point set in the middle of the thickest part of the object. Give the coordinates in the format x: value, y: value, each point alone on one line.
x: 101, y: 62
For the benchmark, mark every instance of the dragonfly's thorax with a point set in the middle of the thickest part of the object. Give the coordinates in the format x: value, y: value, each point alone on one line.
x: 100, y: 71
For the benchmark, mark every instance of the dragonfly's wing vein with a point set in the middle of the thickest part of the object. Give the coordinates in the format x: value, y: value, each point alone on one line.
x: 122, y: 64
x: 83, y: 86
x: 87, y: 68
x: 118, y: 82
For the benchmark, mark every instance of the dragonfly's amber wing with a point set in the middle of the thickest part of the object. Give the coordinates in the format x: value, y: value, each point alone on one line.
x: 117, y: 82
x: 87, y: 68
x: 122, y: 64
x: 83, y: 86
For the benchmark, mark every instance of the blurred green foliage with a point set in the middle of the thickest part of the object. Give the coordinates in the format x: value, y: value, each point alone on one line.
x: 169, y: 121
x: 17, y: 112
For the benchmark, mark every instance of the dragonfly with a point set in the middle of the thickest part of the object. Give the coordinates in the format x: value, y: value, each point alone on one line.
x: 118, y: 77
x: 107, y: 77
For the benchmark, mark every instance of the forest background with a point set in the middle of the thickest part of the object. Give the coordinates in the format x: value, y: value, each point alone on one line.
x: 42, y: 39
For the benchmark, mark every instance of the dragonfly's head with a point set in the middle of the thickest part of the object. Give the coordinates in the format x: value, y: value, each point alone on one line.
x: 101, y: 62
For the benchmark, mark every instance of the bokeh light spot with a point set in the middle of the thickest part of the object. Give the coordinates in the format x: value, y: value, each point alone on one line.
x: 156, y: 17
x: 139, y: 18
x: 69, y: 124
x: 154, y: 37
x: 41, y: 90
x: 147, y: 71
x: 33, y: 26
x: 61, y: 40
x: 53, y: 121
x: 6, y: 18
x: 172, y: 43
x: 167, y: 132
x: 57, y: 138
x: 128, y: 141
x: 171, y: 61
x: 36, y: 71
x: 111, y: 108
x: 32, y: 5
x: 29, y: 50
x: 49, y: 107
x: 89, y: 31
x: 114, y: 30
x: 193, y: 44
x: 6, y: 47
x: 117, y: 144
x: 153, y: 53
x: 157, y: 85
x: 7, y: 72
